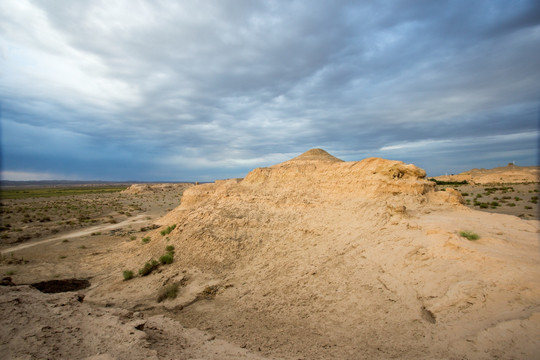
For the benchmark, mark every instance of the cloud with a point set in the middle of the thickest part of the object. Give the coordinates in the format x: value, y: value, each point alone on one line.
x: 237, y: 83
x: 32, y: 176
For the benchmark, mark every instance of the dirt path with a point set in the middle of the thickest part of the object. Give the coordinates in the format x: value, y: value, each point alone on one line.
x: 142, y: 218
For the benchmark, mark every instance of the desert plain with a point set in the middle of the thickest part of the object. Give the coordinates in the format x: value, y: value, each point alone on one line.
x: 313, y: 258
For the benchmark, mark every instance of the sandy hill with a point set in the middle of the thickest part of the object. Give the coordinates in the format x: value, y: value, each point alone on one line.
x: 505, y: 174
x: 320, y: 258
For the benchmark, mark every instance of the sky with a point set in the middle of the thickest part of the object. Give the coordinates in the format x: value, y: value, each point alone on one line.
x: 202, y: 90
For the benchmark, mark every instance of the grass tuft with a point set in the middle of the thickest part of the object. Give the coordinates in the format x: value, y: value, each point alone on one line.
x: 168, y: 292
x: 168, y: 230
x: 128, y: 275
x: 469, y: 235
x: 167, y: 258
x: 148, y: 267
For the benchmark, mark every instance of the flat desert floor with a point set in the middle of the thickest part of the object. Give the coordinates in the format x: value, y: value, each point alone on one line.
x: 513, y: 199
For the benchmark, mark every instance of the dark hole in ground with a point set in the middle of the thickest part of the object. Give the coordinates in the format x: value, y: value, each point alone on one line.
x: 428, y: 315
x: 57, y: 286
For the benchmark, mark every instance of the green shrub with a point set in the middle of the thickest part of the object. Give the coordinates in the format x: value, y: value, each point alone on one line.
x: 469, y: 235
x: 168, y: 258
x: 132, y: 237
x: 169, y: 248
x: 168, y: 292
x: 494, y: 203
x: 528, y: 207
x: 168, y: 230
x: 10, y: 272
x: 484, y: 205
x: 128, y: 274
x: 511, y: 204
x: 148, y: 267
x: 146, y: 240
x: 517, y: 198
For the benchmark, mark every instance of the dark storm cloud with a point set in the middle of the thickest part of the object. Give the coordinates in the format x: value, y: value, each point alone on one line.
x: 211, y: 89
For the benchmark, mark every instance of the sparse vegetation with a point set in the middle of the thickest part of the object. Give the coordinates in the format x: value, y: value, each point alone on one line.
x: 148, y: 267
x: 168, y: 230
x: 128, y: 274
x: 469, y: 235
x: 168, y: 258
x: 10, y: 272
x: 56, y: 191
x: 169, y: 248
x: 209, y: 292
x: 169, y: 291
x: 146, y: 240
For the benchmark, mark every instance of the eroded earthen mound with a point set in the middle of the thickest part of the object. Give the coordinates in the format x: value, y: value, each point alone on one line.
x: 313, y: 155
x: 155, y: 188
x: 500, y: 175
x: 330, y: 259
